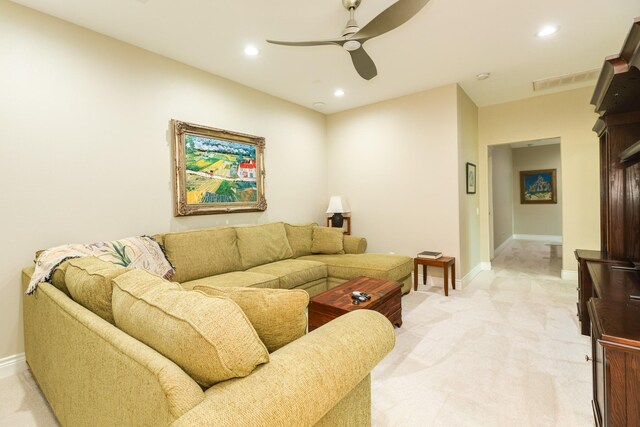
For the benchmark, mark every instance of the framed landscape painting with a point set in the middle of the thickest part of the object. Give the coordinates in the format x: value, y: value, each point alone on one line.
x: 217, y: 171
x: 538, y: 186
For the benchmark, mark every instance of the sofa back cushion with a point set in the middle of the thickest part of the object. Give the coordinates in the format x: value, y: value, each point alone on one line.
x: 88, y: 280
x: 210, y: 338
x: 279, y: 316
x: 262, y: 244
x: 327, y: 240
x: 202, y: 253
x: 300, y: 237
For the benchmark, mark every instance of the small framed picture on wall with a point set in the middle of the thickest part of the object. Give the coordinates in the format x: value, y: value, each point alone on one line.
x: 471, y: 178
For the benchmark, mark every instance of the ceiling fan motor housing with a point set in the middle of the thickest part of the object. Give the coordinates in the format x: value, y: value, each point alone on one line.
x: 348, y: 4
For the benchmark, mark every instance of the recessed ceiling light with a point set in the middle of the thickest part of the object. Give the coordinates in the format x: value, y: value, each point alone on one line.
x: 319, y: 104
x: 251, y: 50
x: 547, y: 30
x: 483, y: 76
x: 339, y: 92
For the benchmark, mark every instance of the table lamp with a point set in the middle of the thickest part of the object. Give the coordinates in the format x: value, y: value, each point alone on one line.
x: 337, y: 206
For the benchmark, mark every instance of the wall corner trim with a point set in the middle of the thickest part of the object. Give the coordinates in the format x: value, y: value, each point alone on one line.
x: 502, y: 246
x: 470, y: 275
x: 485, y: 266
x: 13, y: 365
x: 569, y: 275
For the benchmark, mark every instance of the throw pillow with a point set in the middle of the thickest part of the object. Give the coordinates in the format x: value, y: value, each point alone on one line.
x: 88, y: 280
x: 202, y: 253
x: 300, y: 237
x: 327, y: 240
x: 278, y: 315
x: 210, y: 338
x: 262, y: 244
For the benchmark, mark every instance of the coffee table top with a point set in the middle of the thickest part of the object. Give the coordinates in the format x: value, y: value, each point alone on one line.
x: 340, y: 296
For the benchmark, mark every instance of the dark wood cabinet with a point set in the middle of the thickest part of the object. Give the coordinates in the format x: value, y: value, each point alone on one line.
x: 615, y: 342
x: 585, y: 284
x: 610, y: 287
x: 617, y: 100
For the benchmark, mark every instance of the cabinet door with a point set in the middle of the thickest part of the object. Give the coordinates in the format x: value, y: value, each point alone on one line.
x: 597, y: 354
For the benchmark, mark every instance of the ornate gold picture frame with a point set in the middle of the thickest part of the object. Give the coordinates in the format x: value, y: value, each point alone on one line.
x: 216, y: 171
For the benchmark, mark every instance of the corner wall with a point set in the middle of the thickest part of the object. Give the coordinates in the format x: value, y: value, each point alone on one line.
x: 503, y: 196
x: 396, y: 162
x: 401, y: 165
x: 84, y: 125
x: 469, y: 207
x: 567, y: 115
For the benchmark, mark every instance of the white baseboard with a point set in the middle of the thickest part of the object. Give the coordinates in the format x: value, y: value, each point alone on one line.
x: 500, y: 248
x: 485, y: 266
x: 470, y: 275
x: 12, y: 365
x: 538, y: 237
x: 569, y: 275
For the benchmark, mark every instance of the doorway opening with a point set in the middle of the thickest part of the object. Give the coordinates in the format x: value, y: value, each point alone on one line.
x: 525, y: 206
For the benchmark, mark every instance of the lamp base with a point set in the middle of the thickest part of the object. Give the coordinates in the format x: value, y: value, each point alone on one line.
x: 337, y: 220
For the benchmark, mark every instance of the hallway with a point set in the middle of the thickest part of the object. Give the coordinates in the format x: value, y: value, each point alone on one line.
x: 531, y: 257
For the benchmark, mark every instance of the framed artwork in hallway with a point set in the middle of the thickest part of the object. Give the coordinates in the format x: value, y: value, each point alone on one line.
x: 538, y: 186
x: 471, y: 178
x: 216, y: 170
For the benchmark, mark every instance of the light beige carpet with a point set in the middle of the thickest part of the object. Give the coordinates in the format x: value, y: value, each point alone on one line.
x: 503, y: 351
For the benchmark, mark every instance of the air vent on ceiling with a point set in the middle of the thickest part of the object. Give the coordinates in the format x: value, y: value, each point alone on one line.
x: 568, y: 79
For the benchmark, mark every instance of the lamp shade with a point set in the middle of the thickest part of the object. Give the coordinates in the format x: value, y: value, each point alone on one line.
x: 337, y: 204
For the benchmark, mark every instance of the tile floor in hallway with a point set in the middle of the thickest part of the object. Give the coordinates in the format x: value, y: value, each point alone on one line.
x: 503, y: 351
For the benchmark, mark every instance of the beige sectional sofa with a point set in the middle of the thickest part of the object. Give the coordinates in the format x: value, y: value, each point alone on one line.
x: 94, y: 373
x: 277, y: 255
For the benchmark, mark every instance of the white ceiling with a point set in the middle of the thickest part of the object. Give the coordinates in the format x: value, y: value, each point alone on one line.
x: 448, y: 41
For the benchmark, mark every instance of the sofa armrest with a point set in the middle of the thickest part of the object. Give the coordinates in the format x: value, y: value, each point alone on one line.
x: 304, y: 380
x: 354, y: 244
x: 94, y: 374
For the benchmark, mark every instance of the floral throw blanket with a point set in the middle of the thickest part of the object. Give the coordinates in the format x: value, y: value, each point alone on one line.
x: 135, y: 252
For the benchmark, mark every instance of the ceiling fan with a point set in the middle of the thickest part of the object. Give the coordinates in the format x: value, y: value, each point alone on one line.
x: 353, y: 37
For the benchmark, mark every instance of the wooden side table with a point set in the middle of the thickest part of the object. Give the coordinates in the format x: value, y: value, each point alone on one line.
x: 444, y: 261
x: 347, y: 220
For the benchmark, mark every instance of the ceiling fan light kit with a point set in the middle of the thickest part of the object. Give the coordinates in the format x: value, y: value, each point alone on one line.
x: 353, y: 37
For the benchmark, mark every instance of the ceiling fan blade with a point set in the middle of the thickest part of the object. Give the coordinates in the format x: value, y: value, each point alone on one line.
x: 338, y: 42
x: 363, y: 63
x: 390, y: 18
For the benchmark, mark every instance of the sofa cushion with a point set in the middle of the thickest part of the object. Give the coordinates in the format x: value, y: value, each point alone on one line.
x: 202, y: 253
x: 88, y: 280
x: 378, y: 266
x: 300, y: 237
x: 57, y: 277
x: 262, y: 244
x: 278, y: 315
x: 327, y: 240
x: 210, y: 338
x: 246, y: 279
x: 293, y: 272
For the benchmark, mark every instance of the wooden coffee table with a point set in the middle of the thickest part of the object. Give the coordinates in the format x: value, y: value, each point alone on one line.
x: 385, y: 299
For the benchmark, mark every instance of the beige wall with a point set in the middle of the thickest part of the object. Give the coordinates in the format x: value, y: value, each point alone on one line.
x: 567, y: 115
x: 396, y: 162
x: 502, y: 179
x: 400, y: 164
x: 544, y: 219
x: 85, y: 143
x: 467, y: 153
